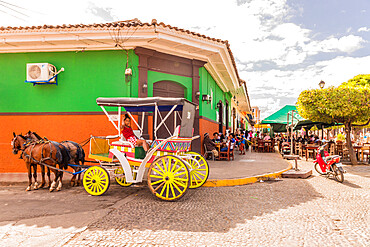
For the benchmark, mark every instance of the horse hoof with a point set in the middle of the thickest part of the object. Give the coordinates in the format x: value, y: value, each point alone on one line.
x: 28, y: 188
x: 41, y: 186
x: 51, y: 189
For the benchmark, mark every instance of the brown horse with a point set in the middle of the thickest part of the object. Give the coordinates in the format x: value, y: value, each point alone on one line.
x: 38, y: 153
x: 76, y: 155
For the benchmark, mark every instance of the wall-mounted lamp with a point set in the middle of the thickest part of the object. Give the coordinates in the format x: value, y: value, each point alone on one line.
x: 128, y: 74
x: 197, y: 95
x: 219, y: 105
x: 207, y: 98
x: 145, y: 85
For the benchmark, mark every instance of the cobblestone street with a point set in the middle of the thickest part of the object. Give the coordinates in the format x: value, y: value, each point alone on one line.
x: 289, y: 212
x: 286, y: 212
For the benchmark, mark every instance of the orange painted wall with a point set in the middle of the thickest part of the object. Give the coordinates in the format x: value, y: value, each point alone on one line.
x: 55, y: 127
x: 206, y: 126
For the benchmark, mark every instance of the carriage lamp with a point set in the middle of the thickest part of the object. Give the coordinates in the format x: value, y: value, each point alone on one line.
x: 321, y: 84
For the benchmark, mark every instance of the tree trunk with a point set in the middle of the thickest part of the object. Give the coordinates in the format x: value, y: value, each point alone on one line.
x: 352, y: 155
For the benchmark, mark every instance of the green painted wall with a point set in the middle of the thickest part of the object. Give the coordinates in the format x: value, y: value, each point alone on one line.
x: 209, y: 86
x: 87, y: 75
x: 154, y: 77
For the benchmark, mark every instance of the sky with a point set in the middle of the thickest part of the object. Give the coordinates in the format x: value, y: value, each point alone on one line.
x: 281, y: 47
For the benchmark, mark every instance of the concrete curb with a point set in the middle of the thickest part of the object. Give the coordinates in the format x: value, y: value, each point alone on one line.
x: 244, y: 181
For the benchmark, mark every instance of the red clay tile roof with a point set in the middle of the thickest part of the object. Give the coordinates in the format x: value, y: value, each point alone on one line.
x: 128, y: 23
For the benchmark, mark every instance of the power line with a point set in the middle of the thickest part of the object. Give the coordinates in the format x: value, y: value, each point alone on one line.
x: 14, y: 10
x: 21, y: 7
x: 12, y: 15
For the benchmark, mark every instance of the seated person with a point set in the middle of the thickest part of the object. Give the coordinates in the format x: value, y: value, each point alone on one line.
x: 231, y: 141
x: 129, y: 135
x: 210, y: 145
x: 267, y: 138
x: 216, y: 137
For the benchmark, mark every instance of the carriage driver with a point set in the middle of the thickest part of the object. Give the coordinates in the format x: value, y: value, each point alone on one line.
x: 129, y: 135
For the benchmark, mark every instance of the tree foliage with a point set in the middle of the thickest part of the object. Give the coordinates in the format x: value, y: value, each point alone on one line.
x: 348, y: 104
x: 358, y: 81
x: 344, y: 104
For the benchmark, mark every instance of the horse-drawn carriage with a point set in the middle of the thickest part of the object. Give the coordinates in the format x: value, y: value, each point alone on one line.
x: 172, y: 167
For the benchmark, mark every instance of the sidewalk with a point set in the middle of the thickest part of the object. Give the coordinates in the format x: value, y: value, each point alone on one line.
x: 245, y: 169
x: 248, y: 168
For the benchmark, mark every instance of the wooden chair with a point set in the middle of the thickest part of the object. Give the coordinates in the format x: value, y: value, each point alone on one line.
x: 332, y: 149
x: 296, y: 148
x: 261, y: 146
x: 253, y: 145
x: 339, y: 149
x: 227, y: 154
x: 311, y: 151
x: 301, y: 152
x: 271, y: 147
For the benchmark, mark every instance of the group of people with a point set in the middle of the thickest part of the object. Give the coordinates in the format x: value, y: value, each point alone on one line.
x: 223, y: 142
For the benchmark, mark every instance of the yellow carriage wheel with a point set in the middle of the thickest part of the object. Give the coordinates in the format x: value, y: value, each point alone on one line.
x: 121, y: 180
x: 199, y: 170
x: 168, y: 178
x: 96, y: 180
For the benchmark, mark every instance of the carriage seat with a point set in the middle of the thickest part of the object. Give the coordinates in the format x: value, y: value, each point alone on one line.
x: 122, y: 142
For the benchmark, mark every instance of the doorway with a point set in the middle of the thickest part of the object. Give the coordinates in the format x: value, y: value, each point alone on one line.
x: 168, y: 89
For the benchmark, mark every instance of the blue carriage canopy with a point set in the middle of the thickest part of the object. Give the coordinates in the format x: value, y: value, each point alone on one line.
x: 145, y: 104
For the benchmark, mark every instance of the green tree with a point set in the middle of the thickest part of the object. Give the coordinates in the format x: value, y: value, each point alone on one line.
x: 348, y: 104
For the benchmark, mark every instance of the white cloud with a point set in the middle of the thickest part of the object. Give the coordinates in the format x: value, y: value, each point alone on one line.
x: 270, y: 88
x: 364, y: 29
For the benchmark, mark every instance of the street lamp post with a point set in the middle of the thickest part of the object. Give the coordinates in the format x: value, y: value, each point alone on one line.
x: 321, y: 84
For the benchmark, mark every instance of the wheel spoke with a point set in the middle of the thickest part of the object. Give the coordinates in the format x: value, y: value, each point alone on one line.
x: 167, y: 191
x: 180, y: 179
x: 196, y: 172
x: 178, y: 189
x: 159, y: 166
x: 163, y: 189
x: 198, y: 176
x: 155, y: 176
x: 179, y: 174
x: 160, y: 173
x: 157, y: 182
x: 179, y: 183
x: 172, y: 190
x: 159, y: 186
x: 178, y: 169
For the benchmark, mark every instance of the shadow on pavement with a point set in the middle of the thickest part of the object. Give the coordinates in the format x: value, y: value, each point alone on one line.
x: 200, y: 210
x: 208, y: 209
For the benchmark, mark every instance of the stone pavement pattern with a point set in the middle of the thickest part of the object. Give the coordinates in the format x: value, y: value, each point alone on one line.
x: 289, y: 212
x: 313, y: 212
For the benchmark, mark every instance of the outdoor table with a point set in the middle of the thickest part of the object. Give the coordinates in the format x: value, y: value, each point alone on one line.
x: 311, y: 148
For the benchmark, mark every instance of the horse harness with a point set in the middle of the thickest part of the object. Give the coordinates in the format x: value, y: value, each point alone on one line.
x: 33, y: 143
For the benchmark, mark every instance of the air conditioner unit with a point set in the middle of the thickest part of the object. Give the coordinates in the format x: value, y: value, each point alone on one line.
x: 40, y: 72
